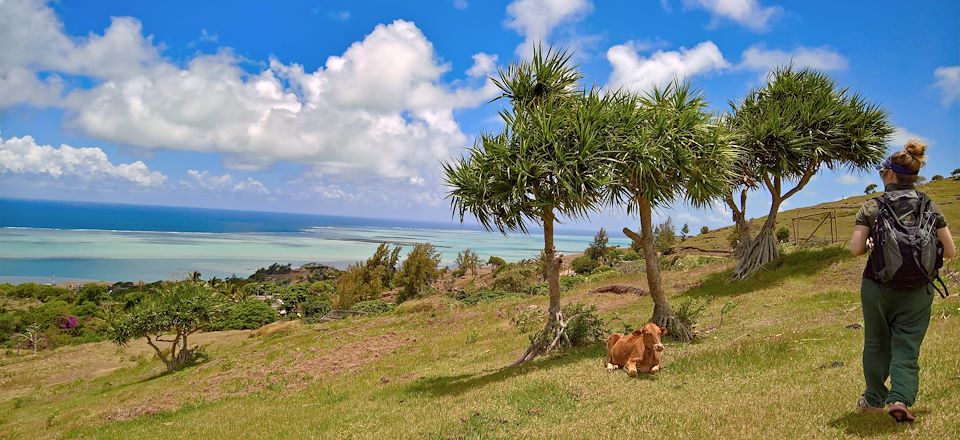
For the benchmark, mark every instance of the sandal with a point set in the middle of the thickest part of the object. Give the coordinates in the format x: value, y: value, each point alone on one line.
x: 900, y: 413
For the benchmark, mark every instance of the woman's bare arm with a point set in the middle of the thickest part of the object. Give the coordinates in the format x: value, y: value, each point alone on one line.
x: 949, y: 247
x: 858, y: 243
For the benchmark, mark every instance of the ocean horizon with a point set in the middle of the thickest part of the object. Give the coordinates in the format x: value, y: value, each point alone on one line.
x: 56, y: 241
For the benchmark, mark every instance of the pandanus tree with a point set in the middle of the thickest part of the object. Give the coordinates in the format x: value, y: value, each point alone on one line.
x: 546, y: 164
x: 667, y: 148
x: 797, y: 124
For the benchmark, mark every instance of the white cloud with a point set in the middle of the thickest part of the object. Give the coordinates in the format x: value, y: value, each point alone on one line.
x: 33, y: 38
x: 535, y: 20
x: 822, y: 58
x: 212, y: 182
x: 251, y: 185
x: 848, y: 179
x: 747, y: 13
x: 345, y: 117
x: 208, y: 181
x: 22, y: 155
x: 948, y: 81
x: 484, y: 64
x: 901, y: 135
x: 634, y: 71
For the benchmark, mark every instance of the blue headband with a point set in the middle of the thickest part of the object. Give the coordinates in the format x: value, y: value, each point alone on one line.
x: 899, y: 169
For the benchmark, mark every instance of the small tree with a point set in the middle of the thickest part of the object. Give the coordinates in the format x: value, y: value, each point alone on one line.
x: 597, y: 250
x: 684, y: 232
x: 418, y: 271
x: 665, y: 235
x: 797, y: 124
x: 176, y: 310
x: 546, y: 163
x: 32, y: 337
x: 468, y: 260
x: 936, y: 178
x: 583, y: 265
x: 955, y: 174
x: 496, y: 261
x: 359, y: 283
x: 704, y: 230
x: 870, y: 189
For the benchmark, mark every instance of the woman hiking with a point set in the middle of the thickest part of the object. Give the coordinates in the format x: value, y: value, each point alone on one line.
x: 907, y: 237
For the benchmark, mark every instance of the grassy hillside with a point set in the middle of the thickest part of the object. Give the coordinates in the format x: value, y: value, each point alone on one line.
x: 783, y: 363
x: 945, y: 192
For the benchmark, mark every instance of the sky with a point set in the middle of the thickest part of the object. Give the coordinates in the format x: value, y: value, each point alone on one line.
x: 349, y: 108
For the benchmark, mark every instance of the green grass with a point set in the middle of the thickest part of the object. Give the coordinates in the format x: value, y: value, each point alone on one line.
x: 782, y: 364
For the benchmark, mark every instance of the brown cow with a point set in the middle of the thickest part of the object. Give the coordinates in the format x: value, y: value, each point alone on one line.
x: 637, y: 351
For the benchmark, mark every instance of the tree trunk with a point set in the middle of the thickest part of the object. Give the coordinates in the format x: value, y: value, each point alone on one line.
x: 762, y: 249
x: 555, y: 330
x: 663, y: 314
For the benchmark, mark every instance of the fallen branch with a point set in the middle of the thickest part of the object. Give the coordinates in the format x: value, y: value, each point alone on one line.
x: 619, y: 289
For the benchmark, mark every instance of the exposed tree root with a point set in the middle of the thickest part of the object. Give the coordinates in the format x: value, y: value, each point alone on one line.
x: 761, y: 250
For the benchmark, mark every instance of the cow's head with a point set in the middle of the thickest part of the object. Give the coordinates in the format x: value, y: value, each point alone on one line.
x: 651, y: 334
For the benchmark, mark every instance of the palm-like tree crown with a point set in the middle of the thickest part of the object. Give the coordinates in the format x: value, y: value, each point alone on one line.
x: 668, y: 147
x: 801, y: 120
x: 546, y: 159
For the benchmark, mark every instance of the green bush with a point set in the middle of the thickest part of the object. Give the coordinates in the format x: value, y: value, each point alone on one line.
x: 569, y: 282
x: 689, y: 313
x: 704, y: 230
x: 584, y: 326
x: 584, y: 265
x: 527, y: 318
x: 518, y: 278
x: 783, y: 234
x: 496, y: 261
x: 248, y: 314
x: 482, y: 295
x: 631, y: 255
x: 359, y: 283
x: 597, y: 250
x: 664, y: 235
x: 373, y: 307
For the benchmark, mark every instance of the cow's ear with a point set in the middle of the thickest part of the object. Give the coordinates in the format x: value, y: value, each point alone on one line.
x: 663, y: 331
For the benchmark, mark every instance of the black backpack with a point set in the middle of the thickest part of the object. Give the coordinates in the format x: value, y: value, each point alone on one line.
x: 906, y: 256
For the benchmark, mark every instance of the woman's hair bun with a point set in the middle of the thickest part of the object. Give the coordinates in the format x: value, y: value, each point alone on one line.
x: 916, y: 148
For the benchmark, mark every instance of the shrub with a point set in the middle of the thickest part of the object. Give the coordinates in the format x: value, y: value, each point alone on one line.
x: 733, y: 238
x: 248, y: 314
x: 704, y: 230
x: 360, y: 282
x: 684, y: 232
x: 689, y: 313
x: 615, y: 255
x: 527, y: 318
x: 92, y: 293
x: 496, y: 261
x: 631, y: 255
x: 936, y: 178
x: 518, y: 278
x: 418, y: 271
x: 569, y: 282
x: 467, y: 260
x: 482, y: 295
x: 584, y: 327
x: 584, y: 265
x: 373, y: 307
x: 783, y: 234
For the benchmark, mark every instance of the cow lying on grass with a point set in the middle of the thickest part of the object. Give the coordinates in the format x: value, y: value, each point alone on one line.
x: 637, y: 351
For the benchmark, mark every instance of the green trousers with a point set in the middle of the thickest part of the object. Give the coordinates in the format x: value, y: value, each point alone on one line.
x: 894, y: 324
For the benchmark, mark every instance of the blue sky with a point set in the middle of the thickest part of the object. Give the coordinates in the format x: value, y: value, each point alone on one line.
x: 348, y: 107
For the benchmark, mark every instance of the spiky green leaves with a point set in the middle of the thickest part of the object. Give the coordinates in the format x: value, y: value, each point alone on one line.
x: 549, y: 157
x: 801, y: 120
x: 667, y: 147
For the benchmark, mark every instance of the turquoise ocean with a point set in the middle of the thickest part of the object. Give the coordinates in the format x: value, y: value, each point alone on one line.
x: 44, y: 241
